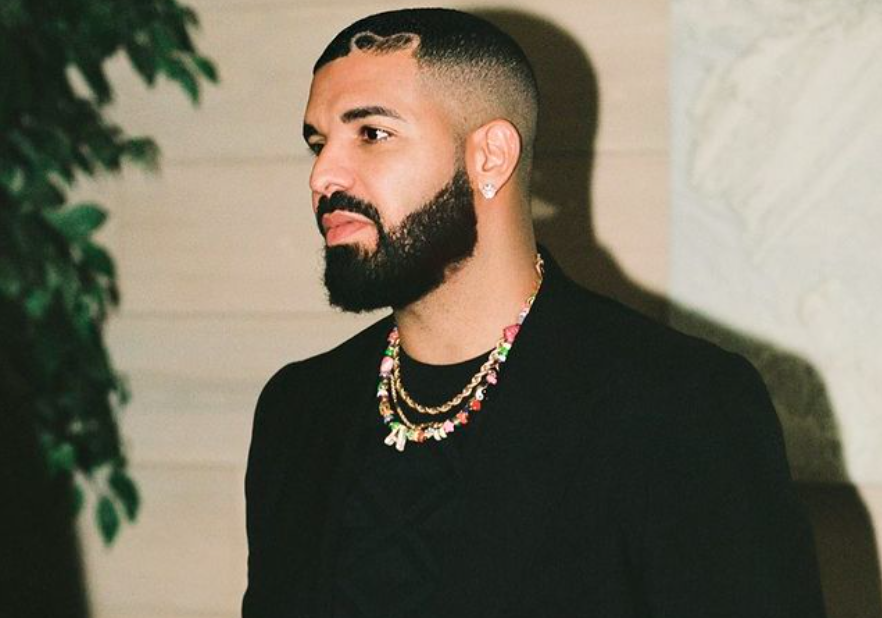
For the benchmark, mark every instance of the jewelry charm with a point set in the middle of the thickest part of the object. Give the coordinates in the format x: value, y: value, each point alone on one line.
x: 488, y: 189
x: 392, y: 395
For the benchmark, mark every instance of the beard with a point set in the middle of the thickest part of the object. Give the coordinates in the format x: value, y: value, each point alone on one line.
x: 411, y: 259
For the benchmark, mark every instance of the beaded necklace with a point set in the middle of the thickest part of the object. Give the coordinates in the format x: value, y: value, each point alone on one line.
x: 391, y: 392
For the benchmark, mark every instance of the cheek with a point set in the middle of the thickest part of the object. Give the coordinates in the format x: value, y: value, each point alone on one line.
x: 391, y: 186
x: 404, y: 187
x: 404, y: 174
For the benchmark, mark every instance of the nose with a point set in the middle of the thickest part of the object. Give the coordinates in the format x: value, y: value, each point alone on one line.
x: 330, y: 173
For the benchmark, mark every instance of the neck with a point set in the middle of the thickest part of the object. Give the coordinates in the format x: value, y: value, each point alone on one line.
x: 465, y: 316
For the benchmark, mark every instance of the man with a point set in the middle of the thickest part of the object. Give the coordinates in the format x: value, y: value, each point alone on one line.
x: 505, y: 443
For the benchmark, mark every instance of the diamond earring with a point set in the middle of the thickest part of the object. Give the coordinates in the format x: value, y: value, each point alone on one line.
x: 488, y: 189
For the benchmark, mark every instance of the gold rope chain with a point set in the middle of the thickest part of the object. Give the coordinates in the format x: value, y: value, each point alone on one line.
x: 489, y: 364
x: 407, y: 422
x: 398, y: 387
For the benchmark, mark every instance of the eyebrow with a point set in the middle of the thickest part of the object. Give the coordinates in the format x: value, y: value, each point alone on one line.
x: 371, y: 110
x: 356, y: 113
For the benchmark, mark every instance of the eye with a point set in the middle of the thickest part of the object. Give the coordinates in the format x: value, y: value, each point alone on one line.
x: 373, y: 135
x: 315, y: 148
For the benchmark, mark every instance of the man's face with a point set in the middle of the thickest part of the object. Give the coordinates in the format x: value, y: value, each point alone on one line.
x: 388, y: 187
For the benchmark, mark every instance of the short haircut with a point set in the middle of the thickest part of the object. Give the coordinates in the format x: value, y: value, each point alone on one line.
x: 482, y: 71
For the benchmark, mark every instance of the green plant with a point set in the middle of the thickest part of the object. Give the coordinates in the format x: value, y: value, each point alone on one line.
x: 57, y: 284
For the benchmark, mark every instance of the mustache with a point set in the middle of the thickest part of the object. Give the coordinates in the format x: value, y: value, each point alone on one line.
x: 346, y: 203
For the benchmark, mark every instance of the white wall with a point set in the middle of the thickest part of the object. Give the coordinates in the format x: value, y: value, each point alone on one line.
x: 775, y: 228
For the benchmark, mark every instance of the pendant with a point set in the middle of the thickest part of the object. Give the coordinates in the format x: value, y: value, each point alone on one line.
x: 397, y: 437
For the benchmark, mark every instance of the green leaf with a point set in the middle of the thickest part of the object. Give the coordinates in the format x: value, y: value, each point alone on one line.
x: 143, y: 60
x: 12, y: 178
x: 10, y: 279
x: 123, y: 390
x: 81, y: 160
x: 77, y: 222
x: 98, y: 260
x: 77, y: 499
x: 97, y: 80
x: 127, y: 492
x: 24, y: 145
x: 188, y: 16
x: 13, y: 13
x: 106, y: 147
x: 163, y: 39
x: 177, y: 71
x: 107, y: 519
x: 37, y: 303
x: 42, y: 192
x: 144, y: 151
x: 62, y: 458
x: 206, y: 67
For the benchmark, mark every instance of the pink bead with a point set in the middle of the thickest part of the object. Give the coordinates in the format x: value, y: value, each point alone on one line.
x: 448, y: 426
x: 491, y: 377
x: 386, y: 365
x: 510, y: 332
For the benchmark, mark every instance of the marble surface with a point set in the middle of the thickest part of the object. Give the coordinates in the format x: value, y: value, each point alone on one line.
x: 776, y: 210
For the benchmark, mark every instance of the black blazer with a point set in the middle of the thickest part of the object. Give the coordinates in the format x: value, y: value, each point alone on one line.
x: 622, y: 470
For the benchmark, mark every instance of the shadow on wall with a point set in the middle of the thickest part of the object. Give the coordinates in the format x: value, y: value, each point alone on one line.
x: 564, y: 158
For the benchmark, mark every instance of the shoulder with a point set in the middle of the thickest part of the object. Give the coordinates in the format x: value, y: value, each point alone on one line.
x: 632, y: 347
x: 293, y: 406
x: 674, y: 393
x: 644, y: 377
x: 296, y: 384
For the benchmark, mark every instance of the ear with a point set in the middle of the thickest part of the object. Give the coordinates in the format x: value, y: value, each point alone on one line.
x: 493, y: 151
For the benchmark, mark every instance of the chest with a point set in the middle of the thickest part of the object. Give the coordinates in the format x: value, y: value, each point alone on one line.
x: 432, y: 531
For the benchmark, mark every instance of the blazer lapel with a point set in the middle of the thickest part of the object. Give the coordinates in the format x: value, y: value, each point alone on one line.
x: 517, y: 469
x: 317, y: 476
x: 351, y: 404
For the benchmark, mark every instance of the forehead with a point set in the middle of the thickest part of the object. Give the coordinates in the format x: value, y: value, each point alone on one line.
x: 362, y: 78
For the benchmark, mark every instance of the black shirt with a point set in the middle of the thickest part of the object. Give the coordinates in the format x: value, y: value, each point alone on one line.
x: 399, y: 513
